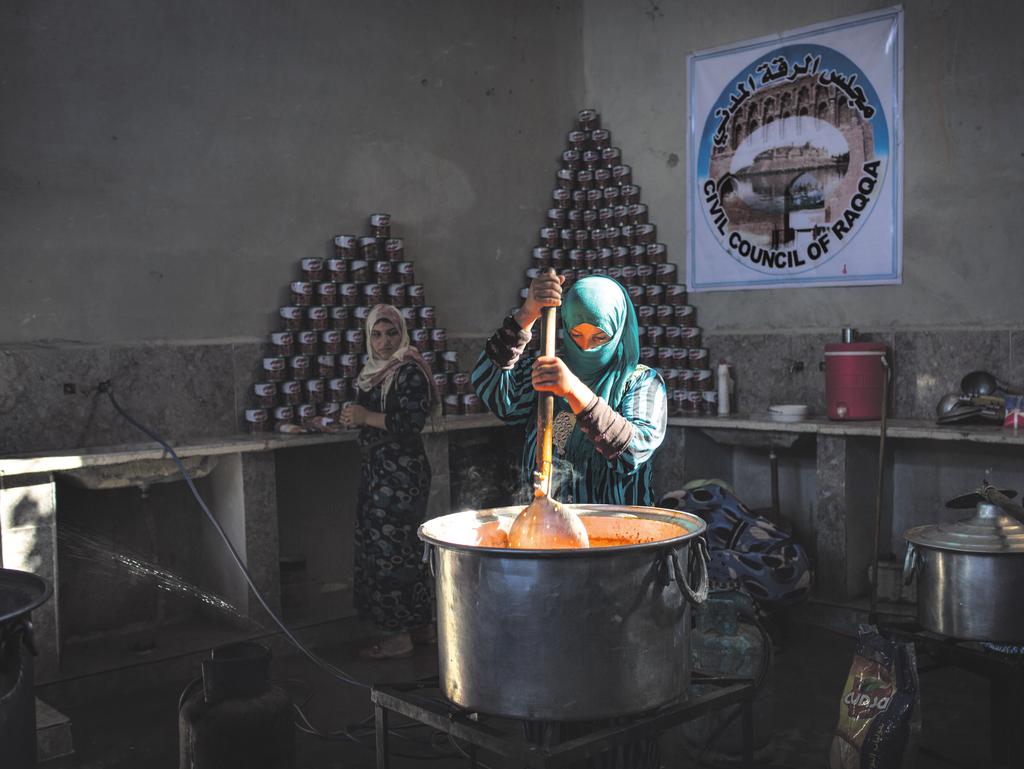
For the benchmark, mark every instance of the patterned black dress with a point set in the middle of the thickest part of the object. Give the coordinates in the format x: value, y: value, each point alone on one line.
x: 392, y: 584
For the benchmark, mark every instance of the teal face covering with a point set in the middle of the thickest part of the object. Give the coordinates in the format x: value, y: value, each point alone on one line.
x: 604, y: 303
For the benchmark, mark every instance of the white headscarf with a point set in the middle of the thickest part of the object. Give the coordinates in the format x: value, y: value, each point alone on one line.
x: 382, y: 370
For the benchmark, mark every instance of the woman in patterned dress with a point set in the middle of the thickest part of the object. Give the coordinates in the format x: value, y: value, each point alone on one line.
x: 394, y: 397
x: 611, y: 412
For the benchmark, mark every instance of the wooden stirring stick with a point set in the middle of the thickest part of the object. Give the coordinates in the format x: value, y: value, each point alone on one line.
x: 544, y: 524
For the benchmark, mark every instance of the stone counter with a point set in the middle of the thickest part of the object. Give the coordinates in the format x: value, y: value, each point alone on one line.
x: 68, y: 459
x: 243, y: 477
x: 239, y: 476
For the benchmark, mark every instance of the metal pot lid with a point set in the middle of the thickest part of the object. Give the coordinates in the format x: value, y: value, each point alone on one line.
x: 989, y: 530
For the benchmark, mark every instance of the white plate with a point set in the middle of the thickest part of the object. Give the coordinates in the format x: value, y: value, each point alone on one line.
x: 790, y: 408
x: 788, y: 412
x: 777, y: 417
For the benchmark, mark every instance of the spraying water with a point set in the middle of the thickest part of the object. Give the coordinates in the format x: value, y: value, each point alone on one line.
x: 100, y: 556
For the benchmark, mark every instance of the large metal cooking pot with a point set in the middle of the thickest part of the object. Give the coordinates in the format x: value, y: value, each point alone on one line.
x: 567, y: 634
x: 970, y: 574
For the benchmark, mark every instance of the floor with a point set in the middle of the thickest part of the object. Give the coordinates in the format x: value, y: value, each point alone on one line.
x: 798, y: 712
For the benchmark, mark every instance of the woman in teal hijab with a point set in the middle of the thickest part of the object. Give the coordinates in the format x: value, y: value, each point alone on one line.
x: 610, y: 412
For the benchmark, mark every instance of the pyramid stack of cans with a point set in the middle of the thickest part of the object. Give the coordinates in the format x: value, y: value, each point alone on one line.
x: 312, y: 361
x: 597, y: 225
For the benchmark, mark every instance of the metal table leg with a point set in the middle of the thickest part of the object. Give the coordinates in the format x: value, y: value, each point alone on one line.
x: 1007, y: 739
x: 1015, y: 735
x: 380, y: 718
x: 599, y: 745
x: 748, y: 733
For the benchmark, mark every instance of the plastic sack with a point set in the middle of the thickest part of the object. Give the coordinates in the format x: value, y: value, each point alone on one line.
x: 879, y: 713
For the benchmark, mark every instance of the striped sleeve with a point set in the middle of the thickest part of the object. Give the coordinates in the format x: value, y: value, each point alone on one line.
x: 609, y: 431
x: 502, y: 378
x: 507, y: 344
x: 645, y: 407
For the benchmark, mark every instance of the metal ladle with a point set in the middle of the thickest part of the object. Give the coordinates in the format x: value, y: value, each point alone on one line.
x: 948, y: 405
x: 984, y: 383
x: 953, y: 407
x: 544, y: 524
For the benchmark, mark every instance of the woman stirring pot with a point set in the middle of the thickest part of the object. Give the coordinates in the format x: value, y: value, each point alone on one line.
x: 611, y: 412
x: 394, y: 397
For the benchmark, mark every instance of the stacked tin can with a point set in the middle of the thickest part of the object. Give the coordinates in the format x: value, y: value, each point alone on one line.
x: 597, y: 225
x: 312, y: 360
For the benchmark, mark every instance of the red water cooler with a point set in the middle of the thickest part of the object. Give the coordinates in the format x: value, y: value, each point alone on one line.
x: 854, y: 380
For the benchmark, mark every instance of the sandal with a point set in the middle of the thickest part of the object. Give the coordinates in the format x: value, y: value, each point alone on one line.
x: 384, y: 650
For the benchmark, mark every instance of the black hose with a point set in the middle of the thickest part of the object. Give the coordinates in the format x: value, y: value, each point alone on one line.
x: 317, y: 660
x: 304, y: 724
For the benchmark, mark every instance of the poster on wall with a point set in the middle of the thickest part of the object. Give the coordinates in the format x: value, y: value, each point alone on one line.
x: 795, y: 158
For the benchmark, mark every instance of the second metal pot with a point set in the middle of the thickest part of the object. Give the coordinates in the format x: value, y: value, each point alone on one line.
x: 970, y: 576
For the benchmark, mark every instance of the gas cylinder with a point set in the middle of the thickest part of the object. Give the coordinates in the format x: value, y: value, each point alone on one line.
x: 236, y: 719
x: 722, y: 644
x: 727, y: 642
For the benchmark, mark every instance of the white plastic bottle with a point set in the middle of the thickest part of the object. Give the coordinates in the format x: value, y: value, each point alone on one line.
x: 724, y: 388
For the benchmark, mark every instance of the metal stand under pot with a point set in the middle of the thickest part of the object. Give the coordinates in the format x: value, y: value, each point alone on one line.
x: 1004, y: 672
x: 420, y: 701
x: 970, y: 576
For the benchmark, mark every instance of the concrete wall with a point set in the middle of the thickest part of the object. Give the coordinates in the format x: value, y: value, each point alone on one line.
x: 958, y: 307
x: 963, y: 107
x: 164, y: 166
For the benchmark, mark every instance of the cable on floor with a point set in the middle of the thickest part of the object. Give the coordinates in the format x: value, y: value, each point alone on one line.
x: 304, y: 723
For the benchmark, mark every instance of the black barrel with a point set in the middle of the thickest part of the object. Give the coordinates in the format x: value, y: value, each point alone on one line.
x: 20, y: 593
